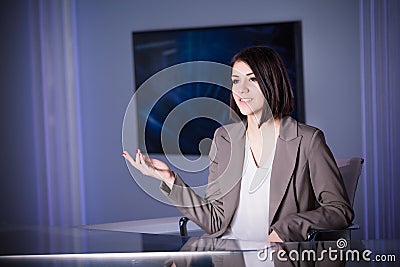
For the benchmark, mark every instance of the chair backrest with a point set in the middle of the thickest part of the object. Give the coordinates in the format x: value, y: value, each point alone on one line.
x: 350, y: 169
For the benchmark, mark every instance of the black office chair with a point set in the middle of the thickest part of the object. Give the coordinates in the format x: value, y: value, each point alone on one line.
x: 350, y: 169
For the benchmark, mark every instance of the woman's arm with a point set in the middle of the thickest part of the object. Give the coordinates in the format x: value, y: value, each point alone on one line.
x: 207, y: 212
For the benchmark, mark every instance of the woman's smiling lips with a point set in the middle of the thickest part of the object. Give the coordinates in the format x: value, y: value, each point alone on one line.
x: 246, y: 100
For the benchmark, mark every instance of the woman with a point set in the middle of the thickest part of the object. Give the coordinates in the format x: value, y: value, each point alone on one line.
x: 271, y: 178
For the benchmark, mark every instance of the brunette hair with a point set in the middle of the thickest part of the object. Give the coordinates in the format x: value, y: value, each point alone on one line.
x: 272, y: 78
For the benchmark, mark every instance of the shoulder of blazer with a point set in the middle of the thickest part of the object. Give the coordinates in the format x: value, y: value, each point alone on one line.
x: 230, y: 131
x: 291, y: 129
x: 310, y: 134
x: 307, y: 131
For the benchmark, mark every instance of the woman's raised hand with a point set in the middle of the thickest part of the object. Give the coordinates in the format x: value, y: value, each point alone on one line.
x: 151, y: 167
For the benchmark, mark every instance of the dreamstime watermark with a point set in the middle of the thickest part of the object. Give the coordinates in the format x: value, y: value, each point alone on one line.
x: 338, y: 253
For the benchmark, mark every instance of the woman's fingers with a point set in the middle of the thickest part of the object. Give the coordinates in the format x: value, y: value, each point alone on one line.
x: 142, y: 163
x: 150, y: 167
x: 142, y: 166
x: 146, y: 159
x: 128, y: 157
x: 274, y: 237
x: 135, y: 162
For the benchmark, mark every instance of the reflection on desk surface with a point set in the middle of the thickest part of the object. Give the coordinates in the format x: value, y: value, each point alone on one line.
x: 74, y: 246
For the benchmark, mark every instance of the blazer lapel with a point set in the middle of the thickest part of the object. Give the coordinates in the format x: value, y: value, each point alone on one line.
x: 234, y: 157
x: 284, y: 163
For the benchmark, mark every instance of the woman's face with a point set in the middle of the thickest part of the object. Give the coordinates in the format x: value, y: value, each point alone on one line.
x: 246, y: 90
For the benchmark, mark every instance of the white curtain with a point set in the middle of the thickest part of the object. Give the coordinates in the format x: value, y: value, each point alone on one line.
x: 380, y: 63
x: 57, y: 113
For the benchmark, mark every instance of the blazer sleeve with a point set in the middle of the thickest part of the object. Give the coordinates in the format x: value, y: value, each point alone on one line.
x: 206, y: 212
x: 334, y: 211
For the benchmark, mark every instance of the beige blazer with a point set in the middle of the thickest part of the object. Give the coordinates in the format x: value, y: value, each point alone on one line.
x: 306, y: 190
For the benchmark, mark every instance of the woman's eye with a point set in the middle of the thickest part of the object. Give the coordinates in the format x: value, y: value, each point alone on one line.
x: 235, y: 81
x: 253, y: 79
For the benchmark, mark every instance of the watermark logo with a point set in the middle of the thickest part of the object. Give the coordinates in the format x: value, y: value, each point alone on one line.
x: 340, y: 252
x: 341, y: 243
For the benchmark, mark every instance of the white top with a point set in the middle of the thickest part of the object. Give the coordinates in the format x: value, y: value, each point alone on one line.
x: 251, y: 219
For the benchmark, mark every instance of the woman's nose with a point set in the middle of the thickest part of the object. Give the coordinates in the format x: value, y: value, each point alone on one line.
x: 243, y: 88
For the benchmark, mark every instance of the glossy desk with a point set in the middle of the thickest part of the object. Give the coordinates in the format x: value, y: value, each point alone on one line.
x: 53, y: 246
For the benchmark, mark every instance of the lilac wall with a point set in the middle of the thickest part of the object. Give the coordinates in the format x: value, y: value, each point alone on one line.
x: 18, y: 189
